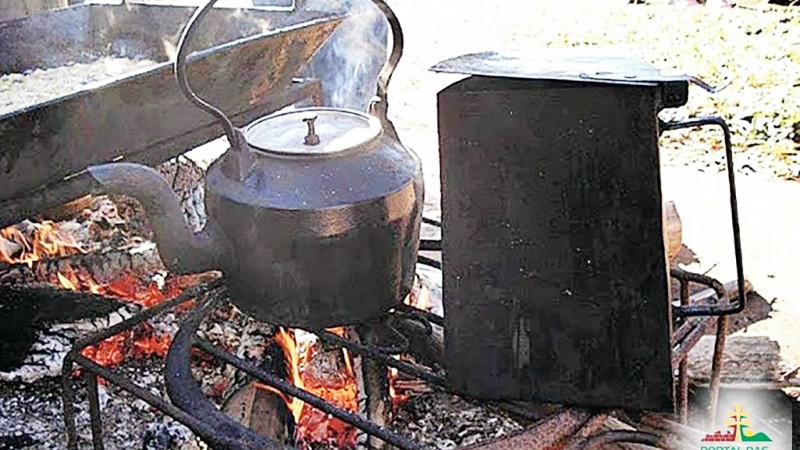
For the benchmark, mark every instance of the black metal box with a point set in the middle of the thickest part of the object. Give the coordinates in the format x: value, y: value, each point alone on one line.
x: 555, y: 275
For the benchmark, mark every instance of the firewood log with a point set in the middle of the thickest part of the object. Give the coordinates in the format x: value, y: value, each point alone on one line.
x: 260, y: 408
x: 69, y: 210
x: 375, y: 388
x: 103, y: 267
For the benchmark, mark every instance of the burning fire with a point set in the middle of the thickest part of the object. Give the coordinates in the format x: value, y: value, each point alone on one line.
x: 143, y: 341
x: 341, y: 389
x: 312, y: 425
x: 48, y: 241
x: 139, y: 343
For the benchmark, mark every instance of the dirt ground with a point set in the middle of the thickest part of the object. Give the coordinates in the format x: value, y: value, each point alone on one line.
x: 752, y: 48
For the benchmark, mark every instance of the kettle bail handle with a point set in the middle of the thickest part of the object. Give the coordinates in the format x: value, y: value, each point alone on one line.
x: 380, y: 106
x: 235, y: 137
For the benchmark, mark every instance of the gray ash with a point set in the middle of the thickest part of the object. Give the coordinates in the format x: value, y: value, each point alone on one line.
x: 445, y: 421
x: 22, y: 90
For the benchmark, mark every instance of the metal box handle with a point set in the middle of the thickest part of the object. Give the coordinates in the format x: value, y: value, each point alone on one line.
x: 728, y: 308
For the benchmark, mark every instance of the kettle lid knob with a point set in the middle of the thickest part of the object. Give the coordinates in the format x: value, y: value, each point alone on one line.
x: 311, y: 138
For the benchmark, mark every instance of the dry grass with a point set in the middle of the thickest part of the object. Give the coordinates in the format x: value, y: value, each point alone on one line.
x: 757, y: 50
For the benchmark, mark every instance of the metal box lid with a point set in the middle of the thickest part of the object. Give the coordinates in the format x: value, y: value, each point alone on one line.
x: 584, y: 65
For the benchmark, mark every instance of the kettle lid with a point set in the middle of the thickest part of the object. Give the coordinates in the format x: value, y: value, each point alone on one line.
x: 312, y: 131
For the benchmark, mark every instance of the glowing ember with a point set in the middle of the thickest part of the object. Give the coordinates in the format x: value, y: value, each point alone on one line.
x: 313, y: 426
x: 139, y: 343
x: 146, y: 293
x: 109, y: 352
x: 142, y: 342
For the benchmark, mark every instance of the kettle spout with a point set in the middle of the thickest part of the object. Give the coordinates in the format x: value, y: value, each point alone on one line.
x: 182, y: 250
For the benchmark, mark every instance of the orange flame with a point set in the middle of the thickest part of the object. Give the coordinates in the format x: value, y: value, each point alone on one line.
x: 312, y: 425
x: 289, y: 346
x: 47, y: 242
x: 65, y: 282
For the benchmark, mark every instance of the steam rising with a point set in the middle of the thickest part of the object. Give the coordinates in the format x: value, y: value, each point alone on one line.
x: 349, y: 63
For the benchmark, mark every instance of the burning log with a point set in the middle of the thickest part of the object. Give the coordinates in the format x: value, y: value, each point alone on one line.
x: 375, y: 388
x: 25, y: 310
x: 263, y: 411
x: 260, y: 407
x: 71, y: 209
x: 102, y: 267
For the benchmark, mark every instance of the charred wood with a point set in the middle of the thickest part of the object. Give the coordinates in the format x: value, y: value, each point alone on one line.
x: 52, y: 304
x: 425, y: 346
x: 26, y: 309
x: 375, y: 387
x: 260, y: 407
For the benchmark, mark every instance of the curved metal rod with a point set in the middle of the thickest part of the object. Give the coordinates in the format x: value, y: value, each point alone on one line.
x: 185, y: 393
x: 387, y: 71
x: 183, y: 81
x: 429, y: 316
x: 606, y: 438
x: 414, y: 316
x: 402, y: 345
x: 719, y: 310
x: 685, y: 277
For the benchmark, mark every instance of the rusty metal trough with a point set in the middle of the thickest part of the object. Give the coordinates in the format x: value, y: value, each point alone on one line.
x: 244, y: 61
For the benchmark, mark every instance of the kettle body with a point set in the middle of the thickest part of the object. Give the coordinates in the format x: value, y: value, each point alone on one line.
x: 323, y: 234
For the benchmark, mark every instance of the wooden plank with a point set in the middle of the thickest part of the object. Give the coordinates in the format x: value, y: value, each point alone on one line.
x: 748, y: 360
